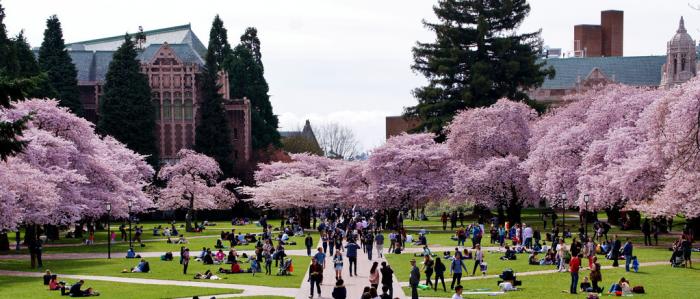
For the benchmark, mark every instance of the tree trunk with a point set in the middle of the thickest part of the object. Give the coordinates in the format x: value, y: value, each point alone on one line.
x: 30, y: 241
x: 78, y: 232
x: 694, y: 224
x: 303, y: 217
x: 392, y: 214
x: 52, y: 232
x: 514, y: 213
x: 613, y: 215
x: 501, y: 215
x: 4, y: 241
x: 189, y: 216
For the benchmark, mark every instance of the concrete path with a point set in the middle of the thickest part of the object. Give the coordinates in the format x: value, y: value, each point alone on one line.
x: 81, y: 256
x: 354, y: 285
x: 248, y: 290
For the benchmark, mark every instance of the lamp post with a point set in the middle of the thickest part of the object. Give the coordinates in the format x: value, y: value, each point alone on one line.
x: 586, y: 197
x: 109, y: 232
x: 130, y: 245
x: 563, y: 210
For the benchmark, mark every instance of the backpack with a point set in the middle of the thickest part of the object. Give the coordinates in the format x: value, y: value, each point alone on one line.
x: 638, y: 290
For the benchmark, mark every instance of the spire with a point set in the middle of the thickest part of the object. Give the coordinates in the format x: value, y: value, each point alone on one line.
x: 681, y: 26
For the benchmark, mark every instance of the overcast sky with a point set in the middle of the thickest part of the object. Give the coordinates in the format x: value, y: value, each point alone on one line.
x: 340, y: 61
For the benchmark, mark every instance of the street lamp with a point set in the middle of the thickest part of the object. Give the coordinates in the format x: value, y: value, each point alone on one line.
x: 586, y: 197
x: 109, y: 232
x: 563, y: 210
x: 130, y: 245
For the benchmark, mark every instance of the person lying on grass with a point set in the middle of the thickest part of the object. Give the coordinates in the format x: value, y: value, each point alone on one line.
x: 509, y: 255
x: 75, y: 290
x: 141, y: 267
x: 207, y: 275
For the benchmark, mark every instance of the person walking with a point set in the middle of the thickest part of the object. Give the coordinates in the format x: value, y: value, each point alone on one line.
x: 185, y: 260
x: 387, y: 278
x: 379, y: 244
x: 456, y: 270
x: 615, y: 254
x: 589, y: 252
x: 351, y: 253
x: 414, y: 279
x: 338, y: 265
x: 315, y: 277
x: 439, y: 274
x: 428, y: 267
x: 478, y: 258
x: 320, y: 257
x: 324, y: 242
x: 308, y: 241
x: 574, y: 266
x: 444, y: 220
x: 374, y: 275
x: 561, y: 255
x: 596, y: 276
x: 453, y: 220
x: 369, y: 242
x: 646, y: 230
x: 627, y: 252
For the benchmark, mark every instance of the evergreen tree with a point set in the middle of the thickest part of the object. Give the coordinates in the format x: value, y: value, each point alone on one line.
x: 212, y: 135
x: 218, y: 42
x: 126, y: 110
x: 15, y: 85
x: 476, y: 59
x: 55, y: 61
x: 247, y: 80
x: 28, y: 67
x: 250, y: 40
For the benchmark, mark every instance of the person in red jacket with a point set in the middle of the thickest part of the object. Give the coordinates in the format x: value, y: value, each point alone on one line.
x: 574, y: 266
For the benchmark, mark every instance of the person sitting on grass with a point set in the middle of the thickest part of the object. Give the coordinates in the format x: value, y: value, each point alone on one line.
x: 130, y: 254
x: 202, y: 254
x: 426, y: 252
x: 168, y: 256
x: 75, y: 290
x: 466, y: 254
x: 509, y: 255
x: 53, y: 283
x: 207, y: 259
x: 141, y: 267
x: 422, y: 240
x: 220, y: 255
x: 47, y: 277
x: 219, y: 244
x: 156, y: 231
x: 620, y: 288
x: 533, y: 260
x: 232, y: 255
x: 586, y: 285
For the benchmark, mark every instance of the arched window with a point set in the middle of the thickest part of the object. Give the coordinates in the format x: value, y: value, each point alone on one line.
x: 675, y: 66
x: 167, y: 104
x: 683, y: 62
x: 188, y: 109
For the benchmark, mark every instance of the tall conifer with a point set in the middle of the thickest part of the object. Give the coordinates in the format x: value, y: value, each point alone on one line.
x: 126, y: 110
x: 476, y: 59
x: 213, y: 136
x: 55, y: 61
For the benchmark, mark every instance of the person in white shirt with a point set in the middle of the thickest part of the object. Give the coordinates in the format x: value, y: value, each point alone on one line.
x: 458, y: 292
x: 527, y: 236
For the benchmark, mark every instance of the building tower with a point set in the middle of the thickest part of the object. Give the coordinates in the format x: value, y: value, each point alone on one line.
x: 612, y: 28
x: 680, y: 58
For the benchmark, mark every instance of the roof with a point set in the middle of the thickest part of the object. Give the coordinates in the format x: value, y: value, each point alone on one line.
x: 181, y: 34
x: 183, y: 51
x: 632, y: 70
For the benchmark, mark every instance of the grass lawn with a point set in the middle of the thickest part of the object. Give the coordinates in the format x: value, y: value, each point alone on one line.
x: 164, y: 270
x: 32, y: 287
x: 400, y: 262
x: 658, y: 282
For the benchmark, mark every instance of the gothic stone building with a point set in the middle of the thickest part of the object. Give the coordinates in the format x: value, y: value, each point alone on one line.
x: 171, y: 58
x: 577, y: 74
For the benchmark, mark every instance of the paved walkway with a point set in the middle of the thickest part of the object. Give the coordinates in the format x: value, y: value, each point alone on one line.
x: 354, y: 285
x: 248, y: 290
x: 81, y: 256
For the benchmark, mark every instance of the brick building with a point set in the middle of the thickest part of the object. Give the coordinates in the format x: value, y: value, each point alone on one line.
x: 171, y: 58
x: 577, y: 74
x: 604, y: 40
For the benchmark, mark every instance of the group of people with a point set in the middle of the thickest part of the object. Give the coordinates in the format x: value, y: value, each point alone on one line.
x: 74, y: 290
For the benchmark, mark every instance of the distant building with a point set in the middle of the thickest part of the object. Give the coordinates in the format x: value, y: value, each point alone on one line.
x: 395, y: 125
x: 303, y: 141
x: 604, y: 40
x: 577, y: 74
x: 172, y: 59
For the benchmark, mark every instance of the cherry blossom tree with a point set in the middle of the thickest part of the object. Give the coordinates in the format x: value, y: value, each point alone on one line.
x: 407, y: 171
x: 292, y: 191
x: 192, y: 185
x: 488, y: 146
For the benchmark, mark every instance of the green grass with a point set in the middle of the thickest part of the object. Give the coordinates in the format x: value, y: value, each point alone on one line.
x: 658, y: 282
x: 32, y: 287
x: 163, y: 270
x: 400, y: 262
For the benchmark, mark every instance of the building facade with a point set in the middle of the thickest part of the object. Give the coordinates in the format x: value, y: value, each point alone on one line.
x: 578, y: 74
x: 603, y: 40
x: 171, y: 59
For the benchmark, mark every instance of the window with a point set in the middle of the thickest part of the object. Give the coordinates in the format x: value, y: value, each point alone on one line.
x: 683, y: 62
x: 177, y: 107
x: 156, y: 104
x: 188, y: 109
x: 177, y: 80
x: 167, y: 104
x: 166, y: 81
x: 155, y: 81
